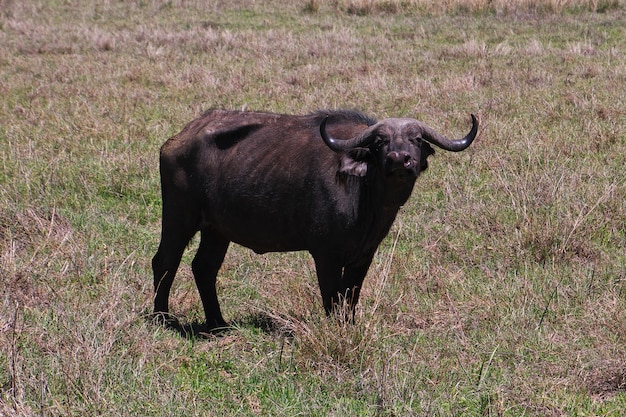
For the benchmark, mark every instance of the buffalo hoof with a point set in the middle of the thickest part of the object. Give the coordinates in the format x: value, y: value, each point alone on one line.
x: 215, y: 327
x: 164, y: 319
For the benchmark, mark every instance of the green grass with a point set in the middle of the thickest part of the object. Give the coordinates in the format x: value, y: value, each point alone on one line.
x: 501, y: 289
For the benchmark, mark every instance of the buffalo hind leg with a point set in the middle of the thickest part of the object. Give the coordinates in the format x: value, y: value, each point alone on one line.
x: 165, y: 263
x: 205, y: 265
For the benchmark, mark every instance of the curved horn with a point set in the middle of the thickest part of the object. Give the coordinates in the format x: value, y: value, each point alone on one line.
x: 339, y: 145
x: 443, y: 142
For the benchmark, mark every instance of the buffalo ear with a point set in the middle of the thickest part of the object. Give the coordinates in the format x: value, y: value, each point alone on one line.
x: 352, y: 167
x: 426, y: 151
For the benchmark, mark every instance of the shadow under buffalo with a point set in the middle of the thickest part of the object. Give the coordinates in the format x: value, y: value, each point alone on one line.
x: 199, y: 330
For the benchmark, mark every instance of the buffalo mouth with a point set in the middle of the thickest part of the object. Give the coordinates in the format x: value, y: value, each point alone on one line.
x: 402, y: 173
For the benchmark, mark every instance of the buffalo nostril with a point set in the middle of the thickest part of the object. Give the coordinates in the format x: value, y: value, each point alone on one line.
x: 405, y: 157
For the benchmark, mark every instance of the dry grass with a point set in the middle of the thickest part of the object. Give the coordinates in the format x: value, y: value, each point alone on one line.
x: 500, y: 290
x: 366, y: 7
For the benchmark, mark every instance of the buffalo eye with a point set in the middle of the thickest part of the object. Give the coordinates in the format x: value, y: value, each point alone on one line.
x: 380, y: 142
x: 382, y: 139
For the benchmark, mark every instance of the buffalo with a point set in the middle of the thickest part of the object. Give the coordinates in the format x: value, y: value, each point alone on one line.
x: 330, y: 182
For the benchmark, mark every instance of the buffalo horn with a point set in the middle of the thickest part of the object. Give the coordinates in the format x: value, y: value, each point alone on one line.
x: 429, y: 135
x: 339, y: 145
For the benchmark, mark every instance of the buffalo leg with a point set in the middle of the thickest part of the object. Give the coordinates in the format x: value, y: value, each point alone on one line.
x: 205, y: 265
x: 165, y: 264
x: 328, y: 270
x: 352, y: 281
x: 179, y: 224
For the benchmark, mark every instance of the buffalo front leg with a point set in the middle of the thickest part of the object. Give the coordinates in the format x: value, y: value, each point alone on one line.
x: 328, y: 268
x: 352, y: 281
x: 205, y: 266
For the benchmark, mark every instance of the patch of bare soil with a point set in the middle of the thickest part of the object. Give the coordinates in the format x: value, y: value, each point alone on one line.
x: 605, y: 379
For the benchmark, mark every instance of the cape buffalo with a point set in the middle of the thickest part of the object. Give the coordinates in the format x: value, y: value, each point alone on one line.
x: 329, y: 182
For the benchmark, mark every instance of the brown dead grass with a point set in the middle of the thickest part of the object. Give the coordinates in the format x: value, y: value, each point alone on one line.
x: 365, y: 7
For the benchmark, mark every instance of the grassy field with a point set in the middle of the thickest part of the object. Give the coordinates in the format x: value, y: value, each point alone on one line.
x: 500, y: 290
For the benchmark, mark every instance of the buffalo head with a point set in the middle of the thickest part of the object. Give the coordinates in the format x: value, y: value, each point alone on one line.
x: 397, y: 147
